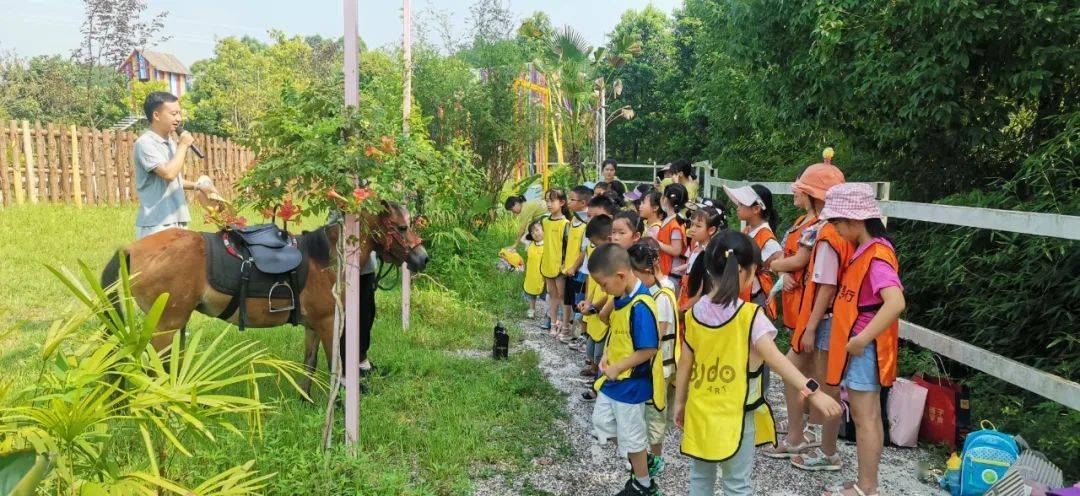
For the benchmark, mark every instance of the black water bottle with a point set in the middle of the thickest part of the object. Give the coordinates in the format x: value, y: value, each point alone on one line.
x: 501, y: 348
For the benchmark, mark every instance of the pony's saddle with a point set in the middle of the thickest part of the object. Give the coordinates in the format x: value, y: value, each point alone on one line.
x: 260, y: 261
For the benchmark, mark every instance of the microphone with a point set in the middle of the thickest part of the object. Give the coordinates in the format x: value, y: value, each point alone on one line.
x: 194, y: 148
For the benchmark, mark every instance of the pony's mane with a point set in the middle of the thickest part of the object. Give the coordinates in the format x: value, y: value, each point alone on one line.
x: 317, y: 245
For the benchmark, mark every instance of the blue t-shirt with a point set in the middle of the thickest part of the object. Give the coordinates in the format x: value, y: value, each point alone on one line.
x: 643, y: 331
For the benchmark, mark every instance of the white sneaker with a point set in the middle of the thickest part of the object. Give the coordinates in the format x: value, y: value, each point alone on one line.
x: 531, y: 314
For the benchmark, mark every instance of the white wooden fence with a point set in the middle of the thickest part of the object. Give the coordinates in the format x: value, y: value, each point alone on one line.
x: 1048, y: 385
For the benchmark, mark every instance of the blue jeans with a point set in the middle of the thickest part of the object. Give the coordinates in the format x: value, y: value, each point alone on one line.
x: 862, y: 371
x: 824, y: 332
x: 735, y: 471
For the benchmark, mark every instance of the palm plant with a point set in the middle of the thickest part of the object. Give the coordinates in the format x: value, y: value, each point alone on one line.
x: 102, y: 384
x: 573, y: 68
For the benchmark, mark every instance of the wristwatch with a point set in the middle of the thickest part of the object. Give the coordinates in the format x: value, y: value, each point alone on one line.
x: 811, y: 387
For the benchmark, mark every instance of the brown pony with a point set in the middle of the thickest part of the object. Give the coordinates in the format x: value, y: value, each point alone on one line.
x: 174, y: 262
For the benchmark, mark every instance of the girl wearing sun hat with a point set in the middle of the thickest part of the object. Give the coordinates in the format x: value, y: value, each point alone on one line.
x: 813, y: 261
x: 866, y: 312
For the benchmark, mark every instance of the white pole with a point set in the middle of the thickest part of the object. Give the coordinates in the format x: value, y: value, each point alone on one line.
x: 406, y: 111
x: 352, y: 267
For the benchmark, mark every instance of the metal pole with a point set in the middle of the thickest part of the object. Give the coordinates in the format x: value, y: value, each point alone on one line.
x: 352, y: 266
x: 406, y: 111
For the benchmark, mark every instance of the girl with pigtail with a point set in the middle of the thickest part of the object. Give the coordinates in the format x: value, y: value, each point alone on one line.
x: 718, y: 400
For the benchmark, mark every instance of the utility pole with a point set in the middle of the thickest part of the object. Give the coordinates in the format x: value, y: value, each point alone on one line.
x: 406, y: 111
x: 352, y: 267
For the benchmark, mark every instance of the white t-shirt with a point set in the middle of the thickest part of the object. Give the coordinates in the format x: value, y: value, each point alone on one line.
x: 665, y: 313
x: 826, y: 265
x: 771, y: 248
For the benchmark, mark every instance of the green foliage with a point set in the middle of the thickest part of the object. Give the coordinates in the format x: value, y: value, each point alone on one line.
x: 101, y: 383
x: 245, y: 76
x: 54, y: 89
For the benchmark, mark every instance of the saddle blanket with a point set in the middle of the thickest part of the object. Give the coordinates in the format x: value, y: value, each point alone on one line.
x: 223, y: 271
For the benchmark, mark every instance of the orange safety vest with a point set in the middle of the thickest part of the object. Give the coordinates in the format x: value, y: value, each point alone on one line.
x: 844, y: 249
x: 664, y: 236
x: 790, y: 299
x: 764, y: 277
x: 846, y: 311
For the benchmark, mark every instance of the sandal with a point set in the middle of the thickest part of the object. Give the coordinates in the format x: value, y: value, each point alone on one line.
x: 589, y: 395
x: 817, y: 461
x: 848, y: 489
x: 783, y: 450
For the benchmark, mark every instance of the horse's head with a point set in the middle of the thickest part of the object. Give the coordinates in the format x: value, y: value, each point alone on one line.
x: 395, y: 240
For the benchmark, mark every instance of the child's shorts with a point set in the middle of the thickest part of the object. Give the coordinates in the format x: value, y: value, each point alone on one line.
x: 862, y: 371
x: 824, y: 332
x: 531, y: 298
x: 624, y: 422
x: 570, y: 294
x: 594, y: 349
x: 656, y: 421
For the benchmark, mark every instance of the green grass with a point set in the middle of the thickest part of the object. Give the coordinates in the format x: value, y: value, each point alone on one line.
x: 433, y: 422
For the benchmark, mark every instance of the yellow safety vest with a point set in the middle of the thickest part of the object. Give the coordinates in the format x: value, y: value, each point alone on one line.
x: 718, y: 395
x: 554, y: 246
x: 620, y: 344
x: 594, y: 326
x: 669, y: 339
x: 534, y: 282
x: 575, y: 235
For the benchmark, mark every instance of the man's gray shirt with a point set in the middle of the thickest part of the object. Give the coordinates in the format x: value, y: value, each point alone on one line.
x: 160, y: 201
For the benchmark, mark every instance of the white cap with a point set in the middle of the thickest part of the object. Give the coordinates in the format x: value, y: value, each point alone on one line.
x: 745, y: 196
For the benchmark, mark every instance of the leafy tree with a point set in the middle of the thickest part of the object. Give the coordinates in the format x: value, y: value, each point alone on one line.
x: 245, y: 76
x: 44, y: 88
x: 111, y: 30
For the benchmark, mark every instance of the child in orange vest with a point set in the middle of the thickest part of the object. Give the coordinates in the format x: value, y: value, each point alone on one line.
x: 672, y: 235
x: 864, y: 340
x: 755, y: 208
x: 824, y: 252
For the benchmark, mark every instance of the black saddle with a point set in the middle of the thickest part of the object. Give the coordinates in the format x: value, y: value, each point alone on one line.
x: 273, y: 249
x: 260, y: 261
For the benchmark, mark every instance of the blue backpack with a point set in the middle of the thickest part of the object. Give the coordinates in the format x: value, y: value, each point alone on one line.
x: 988, y: 453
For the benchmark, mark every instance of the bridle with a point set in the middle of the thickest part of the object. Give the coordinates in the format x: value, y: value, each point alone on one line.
x: 392, y: 236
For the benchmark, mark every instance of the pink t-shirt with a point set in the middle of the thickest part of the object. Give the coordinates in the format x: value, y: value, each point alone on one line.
x: 880, y: 276
x: 711, y: 314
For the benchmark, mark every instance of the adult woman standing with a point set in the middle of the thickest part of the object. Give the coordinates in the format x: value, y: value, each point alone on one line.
x: 607, y: 170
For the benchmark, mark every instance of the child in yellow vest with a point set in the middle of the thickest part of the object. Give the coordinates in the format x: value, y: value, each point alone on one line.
x: 645, y: 259
x: 598, y: 232
x: 556, y: 225
x: 534, y: 282
x: 631, y: 372
x: 718, y: 400
x: 573, y: 259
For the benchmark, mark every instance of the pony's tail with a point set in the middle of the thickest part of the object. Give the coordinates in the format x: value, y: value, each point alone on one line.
x: 111, y: 274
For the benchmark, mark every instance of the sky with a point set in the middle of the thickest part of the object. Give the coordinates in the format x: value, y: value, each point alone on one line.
x: 35, y: 27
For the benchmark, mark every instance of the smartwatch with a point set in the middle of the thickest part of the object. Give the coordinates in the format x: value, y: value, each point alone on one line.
x: 811, y: 387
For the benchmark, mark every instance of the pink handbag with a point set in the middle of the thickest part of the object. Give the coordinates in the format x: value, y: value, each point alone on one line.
x: 906, y: 402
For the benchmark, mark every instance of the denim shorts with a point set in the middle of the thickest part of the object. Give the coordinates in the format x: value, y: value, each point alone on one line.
x: 862, y: 371
x: 824, y: 332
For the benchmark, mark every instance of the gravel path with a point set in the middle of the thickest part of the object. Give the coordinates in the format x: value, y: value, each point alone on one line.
x: 593, y: 469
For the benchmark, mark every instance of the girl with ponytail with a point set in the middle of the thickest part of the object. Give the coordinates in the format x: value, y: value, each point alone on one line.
x: 719, y: 401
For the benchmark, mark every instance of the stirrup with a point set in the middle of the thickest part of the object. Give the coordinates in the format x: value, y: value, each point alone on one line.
x: 270, y: 298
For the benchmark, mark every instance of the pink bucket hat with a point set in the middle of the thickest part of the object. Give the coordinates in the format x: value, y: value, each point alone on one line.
x: 818, y: 178
x: 853, y: 201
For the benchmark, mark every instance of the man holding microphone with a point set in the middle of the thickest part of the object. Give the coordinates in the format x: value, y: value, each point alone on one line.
x: 158, y: 164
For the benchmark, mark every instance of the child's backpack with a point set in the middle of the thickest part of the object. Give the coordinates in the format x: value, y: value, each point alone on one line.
x: 988, y: 453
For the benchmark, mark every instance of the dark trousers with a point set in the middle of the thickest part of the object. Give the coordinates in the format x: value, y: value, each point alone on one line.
x: 367, y: 317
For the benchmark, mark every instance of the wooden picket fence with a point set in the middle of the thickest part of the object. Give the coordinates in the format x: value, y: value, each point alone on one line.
x: 69, y: 164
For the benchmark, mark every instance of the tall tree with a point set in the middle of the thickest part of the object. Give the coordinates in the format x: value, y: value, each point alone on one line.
x: 111, y: 29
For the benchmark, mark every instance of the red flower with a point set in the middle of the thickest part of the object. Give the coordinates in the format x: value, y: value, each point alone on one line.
x: 267, y: 213
x: 362, y: 194
x: 388, y: 145
x: 371, y: 151
x: 239, y: 222
x: 288, y: 210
